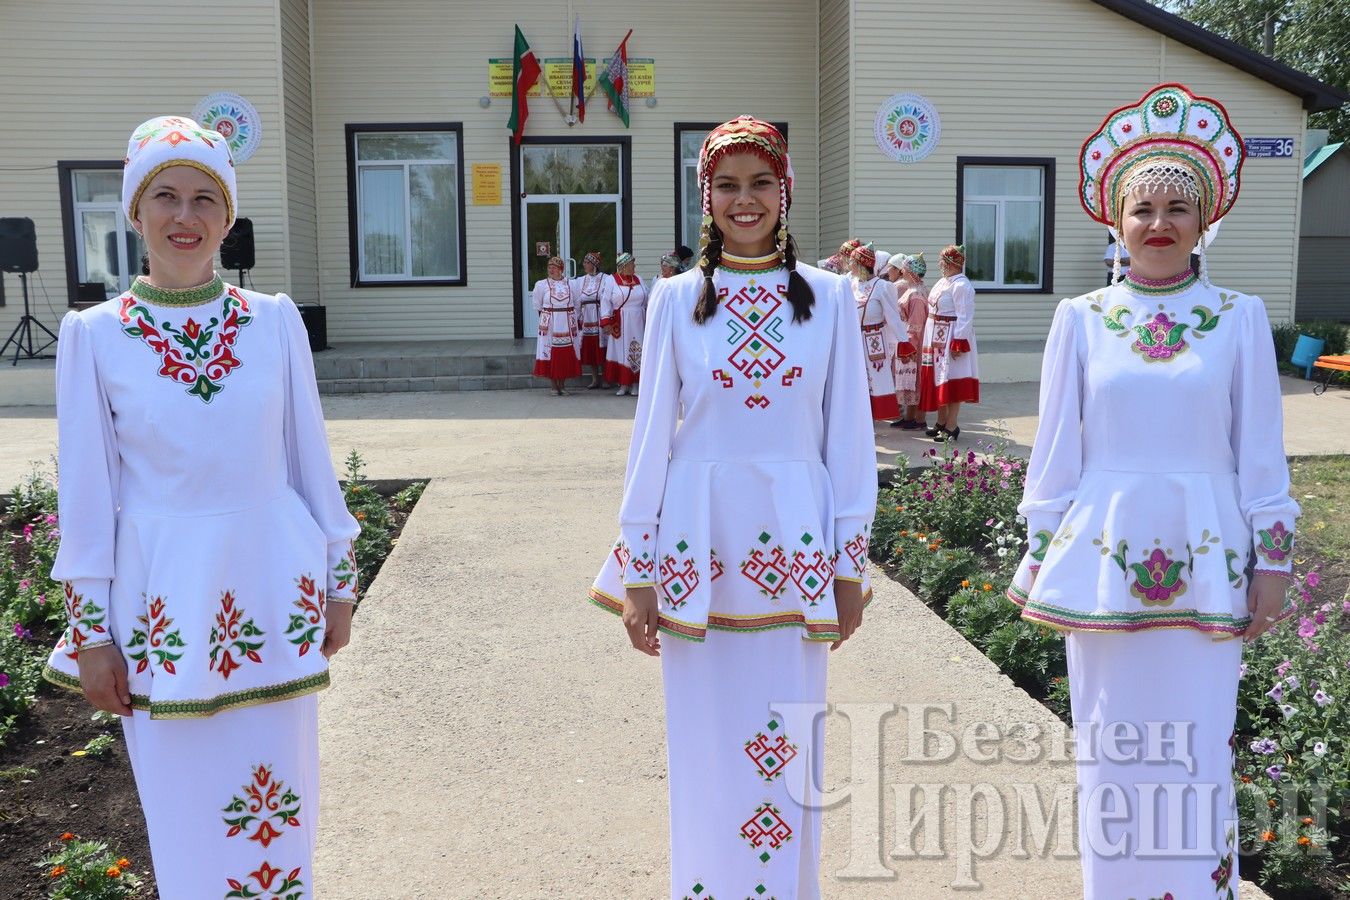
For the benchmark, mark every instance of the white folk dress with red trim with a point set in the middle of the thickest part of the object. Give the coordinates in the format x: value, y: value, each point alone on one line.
x: 914, y: 314
x: 944, y: 378
x: 1157, y: 482
x: 202, y: 534
x: 623, y: 312
x: 742, y: 516
x: 587, y: 289
x: 557, y: 353
x: 879, y: 312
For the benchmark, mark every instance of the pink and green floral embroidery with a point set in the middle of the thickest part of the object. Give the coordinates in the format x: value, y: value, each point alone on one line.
x: 679, y: 578
x: 154, y: 639
x: 767, y: 566
x: 197, y: 354
x: 1041, y: 541
x: 267, y: 883
x: 1235, y: 578
x: 1118, y: 555
x: 1161, y: 338
x: 1275, y: 544
x: 265, y: 800
x: 770, y: 750
x: 1157, y: 579
x: 306, y: 626
x: 1223, y: 877
x: 233, y: 638
x: 85, y: 628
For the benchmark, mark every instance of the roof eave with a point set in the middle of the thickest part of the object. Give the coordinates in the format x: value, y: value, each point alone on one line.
x: 1317, y: 95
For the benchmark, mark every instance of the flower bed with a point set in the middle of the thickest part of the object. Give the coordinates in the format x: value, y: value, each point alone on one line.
x: 949, y: 530
x: 65, y: 769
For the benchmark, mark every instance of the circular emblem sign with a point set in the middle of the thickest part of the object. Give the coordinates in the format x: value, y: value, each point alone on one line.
x: 234, y: 119
x: 907, y: 127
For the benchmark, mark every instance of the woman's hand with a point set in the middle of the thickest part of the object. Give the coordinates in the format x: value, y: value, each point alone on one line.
x: 639, y: 617
x: 848, y: 603
x: 337, y: 627
x: 1265, y: 600
x: 103, y: 678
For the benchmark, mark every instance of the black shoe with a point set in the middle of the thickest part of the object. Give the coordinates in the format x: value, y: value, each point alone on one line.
x: 934, y: 431
x: 951, y: 435
x: 911, y: 425
x: 900, y: 423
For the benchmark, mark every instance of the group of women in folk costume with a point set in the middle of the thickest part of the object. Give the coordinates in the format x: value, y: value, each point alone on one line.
x: 747, y: 507
x: 595, y: 320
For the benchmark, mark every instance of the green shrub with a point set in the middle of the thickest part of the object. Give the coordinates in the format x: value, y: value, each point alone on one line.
x: 21, y: 662
x: 1031, y: 655
x: 88, y: 870
x: 1336, y: 334
x: 370, y: 509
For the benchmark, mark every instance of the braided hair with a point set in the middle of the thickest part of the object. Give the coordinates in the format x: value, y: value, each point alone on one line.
x: 799, y: 292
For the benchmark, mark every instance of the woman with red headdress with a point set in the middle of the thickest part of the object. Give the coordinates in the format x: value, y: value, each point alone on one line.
x: 881, y: 329
x: 558, y: 349
x: 587, y: 289
x: 623, y: 311
x: 748, y: 502
x: 949, y: 373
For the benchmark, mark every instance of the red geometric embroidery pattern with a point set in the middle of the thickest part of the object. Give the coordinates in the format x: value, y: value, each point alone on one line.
x: 270, y: 884
x: 232, y: 638
x: 717, y: 567
x: 770, y: 754
x: 857, y: 552
x: 306, y: 626
x: 812, y: 572
x: 265, y: 800
x: 768, y: 567
x: 155, y: 639
x: 766, y: 829
x: 679, y: 578
x: 197, y: 355
x: 791, y: 375
x: 755, y: 333
x: 86, y: 623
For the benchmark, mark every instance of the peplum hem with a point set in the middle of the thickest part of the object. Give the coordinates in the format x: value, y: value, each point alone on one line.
x: 813, y: 629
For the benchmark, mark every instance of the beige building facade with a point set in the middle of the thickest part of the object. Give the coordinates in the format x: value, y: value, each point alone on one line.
x: 372, y: 189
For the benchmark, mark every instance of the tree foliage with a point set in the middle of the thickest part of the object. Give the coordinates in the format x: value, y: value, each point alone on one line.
x: 1312, y: 36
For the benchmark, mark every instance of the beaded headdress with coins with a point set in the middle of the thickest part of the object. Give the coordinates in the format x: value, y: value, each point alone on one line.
x: 745, y: 134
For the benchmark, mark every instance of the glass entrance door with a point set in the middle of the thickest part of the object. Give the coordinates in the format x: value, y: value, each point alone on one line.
x: 573, y: 204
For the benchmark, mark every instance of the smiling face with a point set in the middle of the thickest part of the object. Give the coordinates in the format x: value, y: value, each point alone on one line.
x: 667, y: 270
x: 181, y: 215
x: 1160, y: 228
x: 745, y: 204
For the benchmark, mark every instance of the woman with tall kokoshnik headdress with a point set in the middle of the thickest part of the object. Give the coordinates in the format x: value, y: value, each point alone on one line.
x: 949, y: 373
x: 623, y: 311
x: 557, y: 355
x: 587, y: 289
x: 914, y: 314
x: 881, y: 328
x: 209, y: 641
x: 744, y: 527
x: 1155, y: 547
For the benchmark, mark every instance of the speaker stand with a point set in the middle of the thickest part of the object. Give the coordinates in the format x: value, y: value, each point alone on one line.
x: 22, y: 335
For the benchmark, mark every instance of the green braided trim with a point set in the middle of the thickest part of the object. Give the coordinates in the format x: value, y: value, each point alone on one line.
x: 202, y: 709
x: 193, y: 296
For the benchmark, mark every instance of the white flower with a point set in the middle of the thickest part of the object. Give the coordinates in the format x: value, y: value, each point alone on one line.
x: 1321, y: 698
x: 1292, y: 681
x: 1002, y: 551
x: 1319, y: 749
x: 1287, y: 710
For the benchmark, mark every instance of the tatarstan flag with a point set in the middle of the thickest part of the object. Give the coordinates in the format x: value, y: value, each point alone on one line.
x: 614, y: 80
x: 524, y: 75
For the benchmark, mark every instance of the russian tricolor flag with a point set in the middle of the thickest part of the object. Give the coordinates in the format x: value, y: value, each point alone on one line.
x: 578, y: 71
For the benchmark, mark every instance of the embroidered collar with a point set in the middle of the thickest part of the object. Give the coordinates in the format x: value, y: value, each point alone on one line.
x: 197, y: 354
x: 750, y: 265
x: 1165, y: 287
x: 193, y: 296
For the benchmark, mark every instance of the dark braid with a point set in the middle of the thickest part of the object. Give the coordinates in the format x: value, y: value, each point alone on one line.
x: 799, y: 291
x: 712, y: 257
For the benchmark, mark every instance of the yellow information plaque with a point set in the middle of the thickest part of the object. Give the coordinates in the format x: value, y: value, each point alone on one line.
x: 487, y: 184
x: 558, y: 72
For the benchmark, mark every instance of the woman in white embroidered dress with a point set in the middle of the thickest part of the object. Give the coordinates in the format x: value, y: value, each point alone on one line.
x: 744, y: 527
x: 914, y: 315
x: 205, y: 547
x: 949, y: 373
x: 623, y: 311
x: 587, y: 290
x: 881, y: 327
x: 1157, y: 504
x: 557, y: 355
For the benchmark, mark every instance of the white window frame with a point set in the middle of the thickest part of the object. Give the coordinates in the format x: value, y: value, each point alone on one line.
x: 1000, y: 201
x: 77, y: 211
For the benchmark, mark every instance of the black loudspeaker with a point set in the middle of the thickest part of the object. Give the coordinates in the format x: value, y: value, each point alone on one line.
x: 18, y: 245
x: 236, y: 251
x: 315, y: 318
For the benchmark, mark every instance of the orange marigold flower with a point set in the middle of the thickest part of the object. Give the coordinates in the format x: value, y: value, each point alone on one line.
x: 360, y: 516
x: 904, y: 533
x: 988, y: 586
x: 1304, y: 840
x: 923, y: 537
x: 1307, y: 820
x: 68, y: 836
x: 1267, y: 835
x: 113, y: 872
x: 932, y: 547
x: 965, y: 582
x: 124, y: 863
x: 1246, y: 779
x: 57, y: 872
x: 1270, y: 803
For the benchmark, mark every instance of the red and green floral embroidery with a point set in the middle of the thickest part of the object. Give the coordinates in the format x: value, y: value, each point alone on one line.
x: 770, y: 750
x: 233, y: 638
x: 1041, y: 544
x: 265, y: 800
x: 1161, y: 338
x: 812, y: 571
x: 306, y: 626
x: 679, y: 577
x: 767, y: 566
x: 1223, y: 877
x: 85, y: 628
x: 267, y: 883
x: 345, y: 573
x: 766, y: 831
x: 1275, y: 544
x: 195, y: 354
x: 154, y: 639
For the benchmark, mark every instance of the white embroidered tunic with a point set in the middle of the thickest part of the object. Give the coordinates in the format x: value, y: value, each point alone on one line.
x: 623, y: 309
x: 744, y: 513
x: 587, y: 290
x: 202, y: 527
x: 1158, y: 463
x: 555, y: 302
x: 882, y: 332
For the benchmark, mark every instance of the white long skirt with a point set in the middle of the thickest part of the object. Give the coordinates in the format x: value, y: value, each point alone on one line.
x: 231, y: 801
x: 739, y: 767
x: 1151, y: 824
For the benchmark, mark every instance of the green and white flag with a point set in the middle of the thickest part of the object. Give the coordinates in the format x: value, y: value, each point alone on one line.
x: 614, y: 80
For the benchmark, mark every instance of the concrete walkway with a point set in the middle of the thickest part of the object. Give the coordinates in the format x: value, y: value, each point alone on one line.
x: 490, y: 734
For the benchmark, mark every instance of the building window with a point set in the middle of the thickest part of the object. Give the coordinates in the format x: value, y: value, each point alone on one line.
x: 102, y: 249
x: 688, y: 205
x: 406, y: 204
x: 1005, y: 217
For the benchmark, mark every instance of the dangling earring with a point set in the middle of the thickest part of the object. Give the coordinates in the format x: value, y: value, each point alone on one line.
x: 1115, y: 269
x: 1204, y: 264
